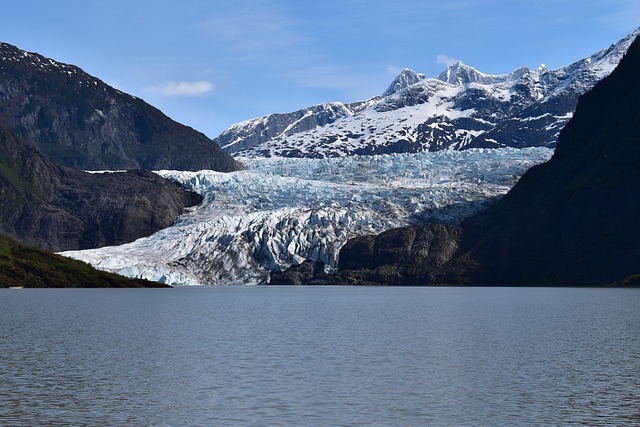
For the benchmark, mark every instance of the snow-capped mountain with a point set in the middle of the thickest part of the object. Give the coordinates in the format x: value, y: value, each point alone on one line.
x: 405, y: 79
x: 281, y: 211
x: 253, y: 132
x: 461, y: 108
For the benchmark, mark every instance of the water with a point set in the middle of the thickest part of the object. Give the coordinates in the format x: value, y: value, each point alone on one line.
x: 319, y: 356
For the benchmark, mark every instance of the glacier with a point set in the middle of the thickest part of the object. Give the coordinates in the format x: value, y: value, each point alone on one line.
x: 281, y: 211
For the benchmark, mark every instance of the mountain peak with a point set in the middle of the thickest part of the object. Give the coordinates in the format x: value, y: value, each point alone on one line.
x: 460, y: 73
x: 79, y: 121
x: 405, y: 79
x: 524, y: 107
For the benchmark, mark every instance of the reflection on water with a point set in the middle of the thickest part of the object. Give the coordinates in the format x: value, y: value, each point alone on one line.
x: 319, y: 356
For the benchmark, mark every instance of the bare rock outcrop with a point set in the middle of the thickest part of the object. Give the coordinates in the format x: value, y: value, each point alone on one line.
x: 59, y: 208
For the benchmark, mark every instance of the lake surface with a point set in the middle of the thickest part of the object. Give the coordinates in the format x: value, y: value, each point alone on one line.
x: 319, y: 356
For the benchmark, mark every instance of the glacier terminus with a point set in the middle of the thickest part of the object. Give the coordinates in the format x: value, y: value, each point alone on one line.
x: 281, y: 211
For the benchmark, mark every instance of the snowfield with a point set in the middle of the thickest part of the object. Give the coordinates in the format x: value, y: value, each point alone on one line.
x: 460, y: 108
x: 281, y: 211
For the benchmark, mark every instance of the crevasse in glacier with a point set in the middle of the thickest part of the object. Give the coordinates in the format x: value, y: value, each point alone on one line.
x: 281, y: 211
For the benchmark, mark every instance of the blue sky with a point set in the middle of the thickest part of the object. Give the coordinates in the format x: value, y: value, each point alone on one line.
x: 209, y: 64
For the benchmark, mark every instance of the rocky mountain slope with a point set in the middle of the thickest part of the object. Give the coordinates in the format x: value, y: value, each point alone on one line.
x: 461, y: 108
x: 77, y: 120
x: 572, y: 221
x: 59, y: 208
x: 30, y: 267
x: 577, y: 215
x: 245, y: 135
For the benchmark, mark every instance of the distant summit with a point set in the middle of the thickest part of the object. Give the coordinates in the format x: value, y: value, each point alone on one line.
x: 405, y: 79
x: 459, y: 73
x: 461, y: 108
x: 77, y: 120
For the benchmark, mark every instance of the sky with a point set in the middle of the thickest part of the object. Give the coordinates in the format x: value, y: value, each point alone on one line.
x: 212, y: 63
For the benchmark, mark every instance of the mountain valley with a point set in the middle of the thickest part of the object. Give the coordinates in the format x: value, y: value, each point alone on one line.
x: 303, y: 186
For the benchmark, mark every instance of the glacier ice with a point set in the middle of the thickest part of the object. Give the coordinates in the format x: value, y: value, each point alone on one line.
x: 281, y: 211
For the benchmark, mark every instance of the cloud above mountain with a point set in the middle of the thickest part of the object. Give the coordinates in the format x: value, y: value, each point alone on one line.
x: 445, y: 60
x: 185, y: 89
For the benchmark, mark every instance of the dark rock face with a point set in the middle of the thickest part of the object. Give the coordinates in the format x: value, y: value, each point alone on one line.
x: 77, y: 120
x: 59, y: 208
x: 574, y: 219
x: 428, y: 246
x: 298, y: 274
x: 406, y: 256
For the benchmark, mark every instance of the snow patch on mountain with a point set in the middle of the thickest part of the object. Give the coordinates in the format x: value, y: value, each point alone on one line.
x: 279, y: 211
x: 461, y: 108
x: 405, y: 79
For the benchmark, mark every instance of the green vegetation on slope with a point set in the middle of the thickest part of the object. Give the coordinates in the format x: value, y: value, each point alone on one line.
x: 31, y: 267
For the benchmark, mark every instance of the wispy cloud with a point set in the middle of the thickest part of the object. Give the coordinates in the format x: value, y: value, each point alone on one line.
x: 460, y: 5
x: 255, y: 32
x: 329, y: 77
x: 445, y: 60
x: 393, y: 70
x: 624, y: 14
x: 350, y: 82
x: 188, y: 89
x: 265, y: 37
